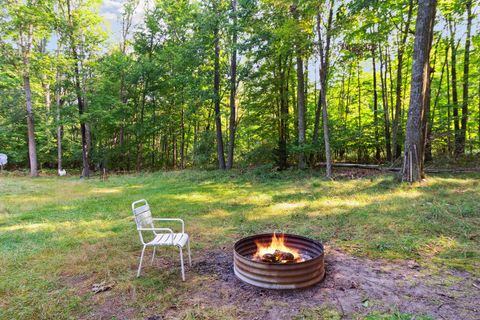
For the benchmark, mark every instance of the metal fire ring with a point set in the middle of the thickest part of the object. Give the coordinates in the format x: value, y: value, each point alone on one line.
x: 279, y: 276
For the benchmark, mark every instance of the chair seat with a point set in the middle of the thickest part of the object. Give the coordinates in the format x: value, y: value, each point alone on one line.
x: 165, y: 239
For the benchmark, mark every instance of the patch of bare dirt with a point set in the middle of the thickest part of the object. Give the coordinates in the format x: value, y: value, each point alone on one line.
x: 354, y: 286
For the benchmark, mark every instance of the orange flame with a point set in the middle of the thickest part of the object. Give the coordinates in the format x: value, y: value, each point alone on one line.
x: 277, y: 243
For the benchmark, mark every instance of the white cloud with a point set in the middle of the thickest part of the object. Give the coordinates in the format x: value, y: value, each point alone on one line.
x: 113, y: 4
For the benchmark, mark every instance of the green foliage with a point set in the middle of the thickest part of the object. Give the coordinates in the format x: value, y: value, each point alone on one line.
x: 149, y: 98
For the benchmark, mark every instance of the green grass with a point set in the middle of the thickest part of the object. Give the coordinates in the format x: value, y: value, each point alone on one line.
x: 55, y: 232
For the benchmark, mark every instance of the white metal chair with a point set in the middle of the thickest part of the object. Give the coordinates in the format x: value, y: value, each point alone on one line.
x: 145, y: 223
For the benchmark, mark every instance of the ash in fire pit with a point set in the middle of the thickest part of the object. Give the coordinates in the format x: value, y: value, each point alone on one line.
x: 279, y: 262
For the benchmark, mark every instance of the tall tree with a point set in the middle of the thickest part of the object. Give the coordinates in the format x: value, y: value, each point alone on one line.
x: 27, y: 19
x: 466, y: 68
x: 383, y: 80
x: 397, y: 148
x: 300, y: 93
x: 72, y: 26
x: 414, y: 150
x: 375, y: 107
x: 216, y: 91
x: 233, y: 87
x: 324, y: 55
x: 453, y: 67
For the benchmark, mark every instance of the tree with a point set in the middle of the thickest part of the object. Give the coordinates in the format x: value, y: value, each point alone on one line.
x: 300, y: 93
x: 233, y: 87
x: 79, y: 30
x: 29, y: 22
x: 466, y: 68
x: 324, y: 54
x: 167, y: 95
x: 397, y: 149
x: 414, y: 145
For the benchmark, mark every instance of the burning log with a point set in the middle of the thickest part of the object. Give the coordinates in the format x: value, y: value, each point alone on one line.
x: 278, y: 257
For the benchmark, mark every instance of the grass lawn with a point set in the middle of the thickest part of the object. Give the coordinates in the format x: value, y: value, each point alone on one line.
x: 60, y: 235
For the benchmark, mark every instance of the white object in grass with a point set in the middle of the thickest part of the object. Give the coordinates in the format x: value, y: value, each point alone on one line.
x: 3, y: 159
x: 145, y: 223
x: 62, y: 172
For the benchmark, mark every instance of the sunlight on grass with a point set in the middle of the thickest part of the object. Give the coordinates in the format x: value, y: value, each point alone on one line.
x: 285, y: 206
x: 438, y: 245
x: 193, y: 197
x: 106, y: 190
x: 219, y: 213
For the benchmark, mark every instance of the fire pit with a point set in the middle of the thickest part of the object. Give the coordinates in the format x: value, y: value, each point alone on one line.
x: 286, y: 261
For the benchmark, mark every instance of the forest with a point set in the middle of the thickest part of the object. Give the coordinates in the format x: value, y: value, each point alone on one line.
x: 238, y: 83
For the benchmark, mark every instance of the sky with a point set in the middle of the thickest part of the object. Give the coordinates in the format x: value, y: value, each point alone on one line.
x: 111, y: 11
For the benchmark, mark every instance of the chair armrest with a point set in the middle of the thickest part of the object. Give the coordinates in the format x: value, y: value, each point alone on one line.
x: 171, y: 219
x: 156, y: 229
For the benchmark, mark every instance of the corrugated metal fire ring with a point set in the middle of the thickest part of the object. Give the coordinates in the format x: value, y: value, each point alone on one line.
x: 279, y: 276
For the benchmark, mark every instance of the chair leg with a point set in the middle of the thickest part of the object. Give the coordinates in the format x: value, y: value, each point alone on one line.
x: 153, y: 256
x: 141, y: 259
x: 189, y: 255
x: 181, y: 263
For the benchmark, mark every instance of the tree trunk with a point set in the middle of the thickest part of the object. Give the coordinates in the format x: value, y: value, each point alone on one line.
x: 428, y: 142
x: 301, y: 110
x: 140, y: 131
x: 359, y: 121
x: 80, y: 101
x: 375, y: 108
x: 300, y: 94
x: 59, y: 102
x: 386, y: 119
x: 449, y: 115
x: 32, y: 148
x: 233, y: 89
x: 182, y: 142
x: 413, y: 160
x: 216, y: 93
x: 466, y: 63
x: 456, y: 125
x: 397, y: 148
x: 283, y: 128
x: 316, y: 125
x: 324, y: 52
x: 25, y: 44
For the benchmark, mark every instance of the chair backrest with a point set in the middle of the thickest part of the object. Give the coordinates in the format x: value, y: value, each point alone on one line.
x: 143, y: 216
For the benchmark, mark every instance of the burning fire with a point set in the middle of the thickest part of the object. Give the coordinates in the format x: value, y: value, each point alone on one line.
x: 276, y: 251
